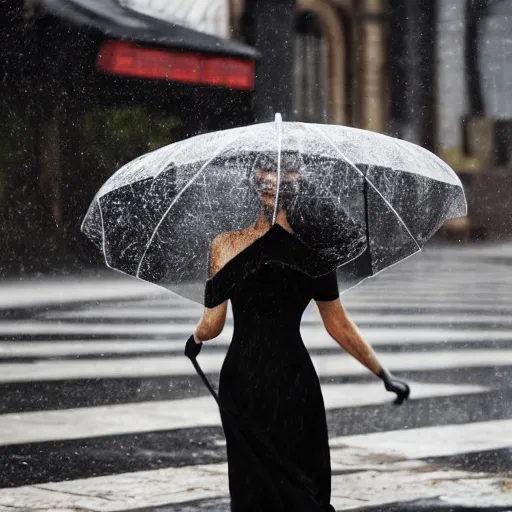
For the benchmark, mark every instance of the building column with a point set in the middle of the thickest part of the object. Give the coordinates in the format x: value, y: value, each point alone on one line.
x: 372, y: 63
x: 420, y: 52
x: 268, y: 25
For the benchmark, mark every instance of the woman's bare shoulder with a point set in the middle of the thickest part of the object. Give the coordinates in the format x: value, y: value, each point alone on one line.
x: 227, y: 245
x: 224, y: 247
x: 225, y: 240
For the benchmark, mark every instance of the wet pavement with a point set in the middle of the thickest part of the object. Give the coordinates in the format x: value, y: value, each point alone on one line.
x: 101, y: 411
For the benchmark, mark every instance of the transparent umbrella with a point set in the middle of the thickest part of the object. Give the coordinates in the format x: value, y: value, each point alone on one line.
x: 362, y: 201
x: 357, y: 202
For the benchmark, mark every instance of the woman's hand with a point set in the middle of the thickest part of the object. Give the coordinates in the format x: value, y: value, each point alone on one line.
x: 192, y: 348
x: 399, y: 387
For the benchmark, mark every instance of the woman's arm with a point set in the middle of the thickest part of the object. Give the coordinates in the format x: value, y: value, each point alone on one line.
x: 213, y: 320
x: 211, y: 323
x: 347, y: 335
x: 345, y: 332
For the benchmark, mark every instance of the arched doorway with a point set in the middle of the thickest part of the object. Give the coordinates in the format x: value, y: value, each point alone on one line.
x: 320, y: 80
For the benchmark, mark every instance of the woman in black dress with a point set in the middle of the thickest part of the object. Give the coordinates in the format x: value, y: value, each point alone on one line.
x: 272, y: 409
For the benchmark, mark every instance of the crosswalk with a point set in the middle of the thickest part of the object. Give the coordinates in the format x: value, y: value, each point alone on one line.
x: 101, y: 411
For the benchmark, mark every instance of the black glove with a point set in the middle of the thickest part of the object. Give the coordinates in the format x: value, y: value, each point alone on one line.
x: 401, y: 389
x: 192, y: 348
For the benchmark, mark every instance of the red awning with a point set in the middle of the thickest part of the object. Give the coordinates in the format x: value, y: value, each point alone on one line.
x: 129, y: 59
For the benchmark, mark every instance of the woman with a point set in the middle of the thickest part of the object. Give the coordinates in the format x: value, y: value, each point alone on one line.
x: 272, y: 409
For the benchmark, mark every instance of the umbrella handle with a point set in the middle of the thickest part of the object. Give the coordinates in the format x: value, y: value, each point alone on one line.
x: 205, y: 380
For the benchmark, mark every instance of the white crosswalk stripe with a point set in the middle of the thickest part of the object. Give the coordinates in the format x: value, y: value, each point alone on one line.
x: 38, y: 426
x: 92, y: 371
x: 164, y: 317
x: 321, y: 340
x: 326, y: 366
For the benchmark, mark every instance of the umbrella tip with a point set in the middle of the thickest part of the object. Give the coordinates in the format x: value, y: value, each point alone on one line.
x: 278, y: 120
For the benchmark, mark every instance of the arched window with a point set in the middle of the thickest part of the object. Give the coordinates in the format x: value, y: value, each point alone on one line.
x: 310, y: 84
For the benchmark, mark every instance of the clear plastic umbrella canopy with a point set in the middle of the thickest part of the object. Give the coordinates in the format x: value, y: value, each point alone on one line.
x: 364, y: 201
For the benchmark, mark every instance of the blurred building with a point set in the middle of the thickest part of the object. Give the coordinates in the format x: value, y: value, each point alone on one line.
x: 333, y: 52
x: 437, y: 73
x: 474, y: 107
x: 89, y: 84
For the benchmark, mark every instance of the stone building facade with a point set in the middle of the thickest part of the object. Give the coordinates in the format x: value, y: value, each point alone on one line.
x: 339, y: 72
x: 433, y: 72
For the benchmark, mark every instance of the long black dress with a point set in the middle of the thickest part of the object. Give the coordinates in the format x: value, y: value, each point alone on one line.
x: 272, y: 409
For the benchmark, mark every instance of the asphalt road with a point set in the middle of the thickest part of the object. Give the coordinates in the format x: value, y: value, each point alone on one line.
x: 101, y: 411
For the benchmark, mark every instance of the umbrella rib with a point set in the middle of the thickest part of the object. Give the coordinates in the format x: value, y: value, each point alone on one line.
x: 102, y: 233
x: 434, y: 158
x: 443, y: 165
x: 103, y: 245
x: 329, y: 141
x: 178, y: 195
x: 405, y: 147
x: 170, y: 159
x: 279, y: 126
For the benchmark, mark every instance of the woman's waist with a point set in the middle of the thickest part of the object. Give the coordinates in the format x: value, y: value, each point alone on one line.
x: 254, y: 368
x: 270, y: 331
x: 250, y: 347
